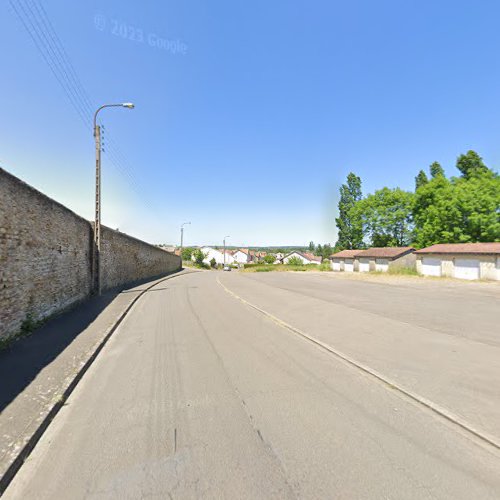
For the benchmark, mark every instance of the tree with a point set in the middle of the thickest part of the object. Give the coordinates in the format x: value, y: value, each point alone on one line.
x: 436, y: 170
x: 187, y: 253
x: 386, y: 217
x: 319, y: 250
x: 269, y: 258
x: 294, y: 261
x: 458, y: 210
x: 327, y: 251
x: 213, y: 262
x: 350, y: 231
x: 471, y: 164
x: 421, y: 179
x: 311, y: 246
x: 199, y: 256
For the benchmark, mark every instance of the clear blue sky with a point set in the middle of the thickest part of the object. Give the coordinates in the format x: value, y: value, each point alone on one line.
x: 250, y: 132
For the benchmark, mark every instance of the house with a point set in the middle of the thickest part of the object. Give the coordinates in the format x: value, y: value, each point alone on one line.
x: 306, y: 258
x: 382, y: 259
x: 470, y: 261
x: 344, y: 260
x: 242, y: 256
x: 218, y: 255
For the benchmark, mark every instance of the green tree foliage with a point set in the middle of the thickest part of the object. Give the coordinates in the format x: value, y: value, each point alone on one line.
x: 350, y: 230
x: 311, y: 246
x: 471, y: 164
x: 198, y: 256
x: 464, y: 209
x: 386, y: 217
x: 213, y: 262
x: 324, y: 251
x: 421, y: 179
x: 294, y: 261
x: 269, y: 258
x: 436, y: 170
x: 187, y: 253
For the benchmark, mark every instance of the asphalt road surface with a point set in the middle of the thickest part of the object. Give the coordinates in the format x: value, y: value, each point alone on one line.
x: 200, y: 395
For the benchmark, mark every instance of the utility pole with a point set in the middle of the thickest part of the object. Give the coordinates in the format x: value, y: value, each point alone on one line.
x: 96, y: 261
x: 96, y: 264
x: 225, y: 249
x: 182, y: 234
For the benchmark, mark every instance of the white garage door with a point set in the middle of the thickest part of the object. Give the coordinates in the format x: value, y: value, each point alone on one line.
x: 382, y: 265
x: 364, y: 265
x: 431, y: 267
x: 349, y: 265
x: 466, y: 269
x: 336, y: 265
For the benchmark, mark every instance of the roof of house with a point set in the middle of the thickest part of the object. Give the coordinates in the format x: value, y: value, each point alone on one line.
x: 463, y: 248
x: 385, y: 252
x: 345, y: 254
x: 243, y: 250
x: 306, y: 255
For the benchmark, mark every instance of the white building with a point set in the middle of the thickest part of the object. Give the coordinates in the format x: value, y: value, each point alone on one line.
x: 218, y: 255
x: 306, y: 258
x: 241, y: 256
x: 344, y: 260
x: 469, y: 261
x: 382, y: 259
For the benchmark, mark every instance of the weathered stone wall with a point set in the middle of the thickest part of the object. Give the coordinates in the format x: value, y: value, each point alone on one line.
x: 45, y: 256
x: 125, y: 259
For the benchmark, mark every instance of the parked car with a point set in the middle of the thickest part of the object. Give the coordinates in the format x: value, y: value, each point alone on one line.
x: 227, y: 268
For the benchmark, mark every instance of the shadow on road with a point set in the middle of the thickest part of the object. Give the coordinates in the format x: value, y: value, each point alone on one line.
x: 26, y: 357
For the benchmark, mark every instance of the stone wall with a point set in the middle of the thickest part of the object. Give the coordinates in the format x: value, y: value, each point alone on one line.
x: 125, y: 259
x: 45, y: 257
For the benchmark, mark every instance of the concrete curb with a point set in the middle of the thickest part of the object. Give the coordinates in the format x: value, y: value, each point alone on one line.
x: 387, y: 382
x: 25, y: 451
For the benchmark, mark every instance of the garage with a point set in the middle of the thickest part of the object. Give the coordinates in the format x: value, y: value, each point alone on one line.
x: 431, y: 266
x: 466, y: 269
x: 466, y: 261
x: 364, y: 265
x: 381, y: 265
x: 349, y: 265
x: 336, y: 265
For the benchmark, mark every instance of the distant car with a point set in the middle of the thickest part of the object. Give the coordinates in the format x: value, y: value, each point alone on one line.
x: 227, y: 268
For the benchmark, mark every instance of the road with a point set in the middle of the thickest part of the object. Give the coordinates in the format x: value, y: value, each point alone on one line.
x: 200, y: 395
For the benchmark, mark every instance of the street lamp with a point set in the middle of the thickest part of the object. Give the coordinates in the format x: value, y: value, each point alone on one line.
x: 97, y: 224
x: 182, y: 233
x: 225, y: 249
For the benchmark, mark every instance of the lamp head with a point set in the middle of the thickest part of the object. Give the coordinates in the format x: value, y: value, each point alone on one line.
x: 129, y: 105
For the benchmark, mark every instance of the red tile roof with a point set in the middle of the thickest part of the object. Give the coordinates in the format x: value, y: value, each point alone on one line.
x: 385, y: 252
x: 345, y: 254
x: 463, y: 248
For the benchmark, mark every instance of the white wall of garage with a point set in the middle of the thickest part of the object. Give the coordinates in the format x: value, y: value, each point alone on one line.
x: 349, y: 265
x: 468, y: 267
x: 364, y: 265
x: 381, y: 265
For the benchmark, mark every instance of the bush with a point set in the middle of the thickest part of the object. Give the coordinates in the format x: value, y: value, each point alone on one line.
x: 213, y: 262
x: 187, y: 253
x: 198, y: 259
x: 294, y: 261
x: 269, y: 259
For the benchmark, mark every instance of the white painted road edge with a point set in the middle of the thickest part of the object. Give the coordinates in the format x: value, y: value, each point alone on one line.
x: 388, y: 383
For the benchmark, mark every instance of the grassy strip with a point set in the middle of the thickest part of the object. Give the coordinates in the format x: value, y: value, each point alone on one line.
x: 267, y: 268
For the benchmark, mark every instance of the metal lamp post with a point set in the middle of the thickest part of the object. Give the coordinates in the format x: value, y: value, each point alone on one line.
x: 97, y: 222
x: 182, y: 234
x: 225, y: 249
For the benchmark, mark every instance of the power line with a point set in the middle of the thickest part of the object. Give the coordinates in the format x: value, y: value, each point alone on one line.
x: 37, y: 23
